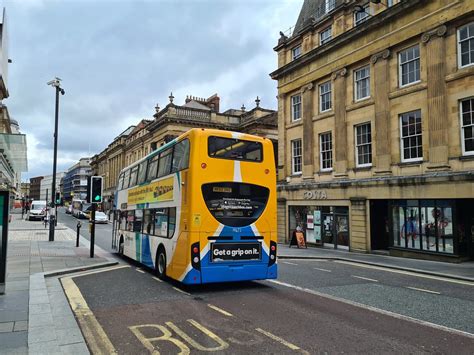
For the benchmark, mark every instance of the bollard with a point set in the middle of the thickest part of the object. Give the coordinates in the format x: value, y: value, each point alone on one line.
x: 78, y: 227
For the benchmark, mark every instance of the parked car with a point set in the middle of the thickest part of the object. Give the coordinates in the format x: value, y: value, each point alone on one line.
x: 69, y: 209
x: 101, y: 217
x: 37, y: 210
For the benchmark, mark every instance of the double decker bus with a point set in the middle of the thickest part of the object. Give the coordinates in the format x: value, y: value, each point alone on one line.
x: 201, y: 208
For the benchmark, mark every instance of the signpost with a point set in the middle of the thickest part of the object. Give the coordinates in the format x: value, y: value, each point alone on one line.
x: 4, y: 200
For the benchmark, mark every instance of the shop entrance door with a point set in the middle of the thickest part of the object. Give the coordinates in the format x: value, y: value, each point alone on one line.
x: 379, y: 232
x: 336, y: 229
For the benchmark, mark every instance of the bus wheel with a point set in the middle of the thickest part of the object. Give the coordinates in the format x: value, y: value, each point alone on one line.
x: 160, y: 267
x: 120, y: 248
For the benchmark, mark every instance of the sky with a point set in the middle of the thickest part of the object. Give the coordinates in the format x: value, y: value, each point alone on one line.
x: 118, y: 58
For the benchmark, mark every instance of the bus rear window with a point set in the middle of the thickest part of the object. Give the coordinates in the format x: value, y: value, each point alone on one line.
x: 234, y: 149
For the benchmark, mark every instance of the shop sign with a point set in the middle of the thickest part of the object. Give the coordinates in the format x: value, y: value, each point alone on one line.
x: 315, y: 195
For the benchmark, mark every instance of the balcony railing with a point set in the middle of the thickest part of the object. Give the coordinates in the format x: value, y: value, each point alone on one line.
x: 192, y: 114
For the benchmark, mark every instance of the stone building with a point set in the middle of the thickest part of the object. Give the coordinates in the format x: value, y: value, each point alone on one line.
x: 47, y: 183
x: 75, y: 180
x: 35, y: 187
x: 376, y: 126
x: 170, y: 122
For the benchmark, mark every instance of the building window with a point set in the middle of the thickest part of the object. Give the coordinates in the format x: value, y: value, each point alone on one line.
x: 325, y: 35
x: 361, y: 16
x: 296, y: 52
x: 411, y: 137
x: 466, y: 45
x: 296, y: 107
x: 363, y: 140
x: 296, y: 155
x: 389, y: 3
x: 325, y: 97
x: 467, y: 126
x: 325, y: 147
x: 330, y: 5
x: 362, y: 83
x: 409, y: 66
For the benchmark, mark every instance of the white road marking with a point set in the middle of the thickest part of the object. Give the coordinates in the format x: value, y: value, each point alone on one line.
x: 364, y: 278
x: 326, y: 270
x: 179, y: 290
x: 156, y: 279
x: 80, y: 273
x: 140, y: 270
x: 287, y: 262
x: 220, y: 310
x: 281, y: 341
x: 403, y: 272
x: 374, y: 309
x: 423, y: 290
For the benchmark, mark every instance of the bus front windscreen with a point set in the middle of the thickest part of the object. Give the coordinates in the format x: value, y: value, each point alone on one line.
x: 235, y: 204
x: 234, y: 149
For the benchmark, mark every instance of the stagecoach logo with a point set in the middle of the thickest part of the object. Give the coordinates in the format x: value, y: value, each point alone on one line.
x: 155, y: 192
x: 315, y: 195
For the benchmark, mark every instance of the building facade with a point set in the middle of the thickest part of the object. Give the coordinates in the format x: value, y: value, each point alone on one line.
x: 35, y: 187
x: 75, y: 180
x: 46, y: 185
x: 170, y: 122
x: 376, y: 135
x: 25, y: 189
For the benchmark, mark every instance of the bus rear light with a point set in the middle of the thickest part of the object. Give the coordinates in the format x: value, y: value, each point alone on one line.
x: 273, y: 253
x: 195, y: 256
x: 203, y: 165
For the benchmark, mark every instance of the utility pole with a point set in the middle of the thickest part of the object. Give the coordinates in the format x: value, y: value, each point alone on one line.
x: 56, y: 82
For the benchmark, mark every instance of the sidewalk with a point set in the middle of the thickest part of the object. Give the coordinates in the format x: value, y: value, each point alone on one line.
x: 35, y: 316
x: 462, y: 271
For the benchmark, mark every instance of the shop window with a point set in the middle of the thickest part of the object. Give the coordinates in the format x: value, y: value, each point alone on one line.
x: 296, y: 156
x: 325, y: 103
x: 325, y: 145
x: 466, y: 45
x: 363, y: 138
x: 467, y: 126
x: 409, y: 66
x: 411, y: 136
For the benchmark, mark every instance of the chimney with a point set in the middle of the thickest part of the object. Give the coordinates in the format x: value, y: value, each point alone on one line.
x: 213, y: 103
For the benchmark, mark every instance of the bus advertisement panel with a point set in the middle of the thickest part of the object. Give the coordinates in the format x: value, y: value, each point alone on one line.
x: 201, y: 209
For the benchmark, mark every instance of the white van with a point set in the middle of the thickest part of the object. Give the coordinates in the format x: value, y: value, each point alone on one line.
x: 37, y: 210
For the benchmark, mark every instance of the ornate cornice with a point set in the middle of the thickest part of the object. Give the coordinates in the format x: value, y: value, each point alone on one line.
x: 439, y: 31
x: 342, y: 73
x: 385, y: 54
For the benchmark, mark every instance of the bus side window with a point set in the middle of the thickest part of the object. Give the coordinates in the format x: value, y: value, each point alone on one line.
x: 130, y: 219
x: 137, y: 223
x: 164, y: 167
x: 152, y: 166
x: 120, y: 182
x: 142, y: 172
x: 148, y: 225
x: 171, y: 221
x: 161, y: 222
x: 133, y: 176
x: 126, y: 179
x: 180, y: 156
x: 123, y: 220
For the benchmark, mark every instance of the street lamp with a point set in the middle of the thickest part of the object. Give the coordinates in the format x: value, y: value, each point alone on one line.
x: 56, y: 83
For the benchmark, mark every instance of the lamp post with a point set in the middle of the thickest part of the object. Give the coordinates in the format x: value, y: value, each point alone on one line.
x: 56, y: 83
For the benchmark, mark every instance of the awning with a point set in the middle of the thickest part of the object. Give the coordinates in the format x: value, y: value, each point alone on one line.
x: 13, y: 148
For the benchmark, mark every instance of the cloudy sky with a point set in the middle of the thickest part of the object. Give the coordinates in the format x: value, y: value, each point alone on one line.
x: 118, y: 58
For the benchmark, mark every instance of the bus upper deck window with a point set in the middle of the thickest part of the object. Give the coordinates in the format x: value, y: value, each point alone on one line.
x: 234, y: 149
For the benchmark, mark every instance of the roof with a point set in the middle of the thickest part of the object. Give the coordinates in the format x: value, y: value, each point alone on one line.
x: 308, y: 10
x: 195, y: 104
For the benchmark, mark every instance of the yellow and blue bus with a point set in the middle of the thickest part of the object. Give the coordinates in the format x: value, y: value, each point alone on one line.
x: 201, y: 208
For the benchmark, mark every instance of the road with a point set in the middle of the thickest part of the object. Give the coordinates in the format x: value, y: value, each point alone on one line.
x: 315, y: 306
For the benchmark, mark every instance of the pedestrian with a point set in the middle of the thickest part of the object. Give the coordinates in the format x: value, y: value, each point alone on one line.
x: 27, y: 208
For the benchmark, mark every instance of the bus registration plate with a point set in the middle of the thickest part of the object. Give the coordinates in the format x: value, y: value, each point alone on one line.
x: 235, y: 251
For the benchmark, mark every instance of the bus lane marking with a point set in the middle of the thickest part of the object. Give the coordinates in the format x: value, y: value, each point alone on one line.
x: 281, y: 341
x: 181, y: 291
x: 140, y: 270
x: 423, y: 290
x: 156, y: 279
x: 287, y: 262
x: 364, y: 278
x: 325, y: 270
x: 222, y: 344
x: 220, y: 310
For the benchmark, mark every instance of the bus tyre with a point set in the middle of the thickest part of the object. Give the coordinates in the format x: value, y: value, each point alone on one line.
x: 160, y: 267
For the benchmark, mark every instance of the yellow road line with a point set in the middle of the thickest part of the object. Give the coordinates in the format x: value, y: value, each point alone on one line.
x: 423, y: 290
x: 179, y: 290
x: 95, y: 336
x: 281, y: 341
x: 326, y: 270
x: 156, y: 279
x: 409, y: 273
x: 220, y: 310
x: 364, y: 278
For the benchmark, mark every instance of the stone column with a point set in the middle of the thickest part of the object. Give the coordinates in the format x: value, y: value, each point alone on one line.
x: 308, y: 144
x: 283, y: 171
x: 382, y: 111
x: 340, y: 134
x: 437, y: 110
x: 359, y: 238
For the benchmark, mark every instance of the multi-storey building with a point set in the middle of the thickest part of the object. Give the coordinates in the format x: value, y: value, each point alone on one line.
x: 46, y: 185
x: 376, y: 126
x: 25, y: 190
x: 35, y: 187
x: 75, y: 180
x: 171, y: 121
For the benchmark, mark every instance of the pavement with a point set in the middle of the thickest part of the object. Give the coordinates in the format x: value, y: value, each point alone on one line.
x: 35, y: 316
x: 462, y: 271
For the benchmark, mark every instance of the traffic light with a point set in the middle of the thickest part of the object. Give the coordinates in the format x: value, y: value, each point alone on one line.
x: 58, y: 198
x: 96, y: 189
